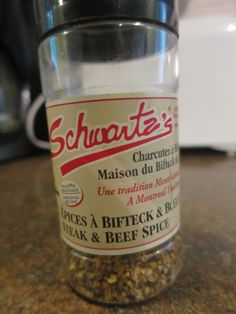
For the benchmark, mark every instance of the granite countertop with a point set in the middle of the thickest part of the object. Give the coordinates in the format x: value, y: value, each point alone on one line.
x: 31, y: 274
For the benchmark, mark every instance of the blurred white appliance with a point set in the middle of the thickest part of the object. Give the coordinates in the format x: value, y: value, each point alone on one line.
x: 208, y: 74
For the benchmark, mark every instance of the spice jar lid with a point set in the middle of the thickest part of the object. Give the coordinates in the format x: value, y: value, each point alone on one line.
x: 52, y: 15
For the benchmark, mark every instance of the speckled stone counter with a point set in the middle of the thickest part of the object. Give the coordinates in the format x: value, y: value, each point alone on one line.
x: 31, y: 274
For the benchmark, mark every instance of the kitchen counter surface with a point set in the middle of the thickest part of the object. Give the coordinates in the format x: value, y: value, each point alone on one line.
x: 32, y: 279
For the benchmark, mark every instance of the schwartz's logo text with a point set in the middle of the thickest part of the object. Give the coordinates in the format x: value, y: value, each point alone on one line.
x: 142, y: 127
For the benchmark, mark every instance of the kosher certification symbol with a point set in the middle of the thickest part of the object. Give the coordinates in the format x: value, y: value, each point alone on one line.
x: 71, y: 194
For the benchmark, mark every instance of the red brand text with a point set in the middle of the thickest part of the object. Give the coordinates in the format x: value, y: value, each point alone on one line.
x: 142, y: 127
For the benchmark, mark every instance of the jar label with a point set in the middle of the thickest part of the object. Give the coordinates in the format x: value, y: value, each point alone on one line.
x: 116, y: 168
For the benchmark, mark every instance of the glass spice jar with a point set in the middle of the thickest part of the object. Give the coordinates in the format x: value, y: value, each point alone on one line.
x: 109, y: 73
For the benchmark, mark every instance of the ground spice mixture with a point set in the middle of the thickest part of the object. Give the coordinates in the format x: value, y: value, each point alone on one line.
x: 125, y: 279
